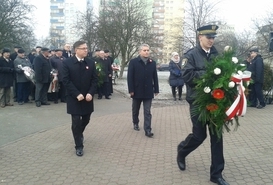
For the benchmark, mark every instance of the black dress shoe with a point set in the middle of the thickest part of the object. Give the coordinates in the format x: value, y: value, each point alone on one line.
x: 260, y: 107
x: 38, y: 104
x: 181, y: 162
x: 149, y: 134
x: 99, y: 97
x: 79, y: 152
x: 219, y: 181
x: 108, y: 98
x: 136, y: 127
x: 45, y: 103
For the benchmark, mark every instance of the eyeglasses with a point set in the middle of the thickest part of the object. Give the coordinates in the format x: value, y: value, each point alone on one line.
x: 146, y: 50
x: 83, y: 48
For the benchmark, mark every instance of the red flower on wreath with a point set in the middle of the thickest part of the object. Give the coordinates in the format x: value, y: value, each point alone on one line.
x: 218, y: 94
x: 212, y: 107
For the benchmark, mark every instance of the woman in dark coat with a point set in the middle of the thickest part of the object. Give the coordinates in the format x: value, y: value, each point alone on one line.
x: 175, y: 79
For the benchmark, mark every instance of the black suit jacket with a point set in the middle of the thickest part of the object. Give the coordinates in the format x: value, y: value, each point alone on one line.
x: 67, y: 54
x: 42, y: 69
x: 79, y: 78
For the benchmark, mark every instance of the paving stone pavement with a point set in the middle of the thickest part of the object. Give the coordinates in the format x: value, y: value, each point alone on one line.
x: 115, y: 154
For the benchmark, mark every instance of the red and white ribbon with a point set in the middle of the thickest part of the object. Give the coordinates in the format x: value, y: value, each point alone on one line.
x: 238, y: 107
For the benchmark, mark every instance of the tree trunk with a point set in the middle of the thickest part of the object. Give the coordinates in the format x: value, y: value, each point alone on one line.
x: 123, y: 65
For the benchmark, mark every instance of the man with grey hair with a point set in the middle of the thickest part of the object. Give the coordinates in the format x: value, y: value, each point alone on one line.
x: 67, y: 51
x: 143, y: 86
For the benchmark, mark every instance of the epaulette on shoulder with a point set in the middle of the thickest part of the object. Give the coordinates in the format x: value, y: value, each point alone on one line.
x: 189, y: 50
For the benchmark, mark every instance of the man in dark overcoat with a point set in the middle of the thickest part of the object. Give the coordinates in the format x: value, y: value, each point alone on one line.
x: 257, y: 75
x: 42, y: 70
x: 142, y: 82
x: 6, y: 78
x: 80, y: 80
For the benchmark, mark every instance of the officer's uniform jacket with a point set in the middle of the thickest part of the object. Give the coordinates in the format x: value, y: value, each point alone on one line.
x: 193, y: 67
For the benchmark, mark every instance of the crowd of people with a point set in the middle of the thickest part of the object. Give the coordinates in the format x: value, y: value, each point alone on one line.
x: 46, y: 83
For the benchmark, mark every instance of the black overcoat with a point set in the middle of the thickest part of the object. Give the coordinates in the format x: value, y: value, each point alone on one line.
x: 6, y: 72
x: 142, y: 78
x: 79, y: 78
x: 42, y: 69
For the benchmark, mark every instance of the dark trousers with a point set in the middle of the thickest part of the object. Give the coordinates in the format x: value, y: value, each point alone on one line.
x: 79, y: 122
x: 257, y: 94
x: 103, y: 90
x: 14, y: 90
x: 179, y: 91
x: 196, y: 138
x: 62, y: 92
x: 41, y: 92
x: 147, y: 103
x: 110, y: 86
x: 32, y: 91
x: 23, y: 91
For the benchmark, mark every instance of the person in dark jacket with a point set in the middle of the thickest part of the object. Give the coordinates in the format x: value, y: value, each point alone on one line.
x: 142, y: 82
x: 193, y: 67
x: 67, y: 51
x: 57, y: 64
x: 23, y: 84
x: 107, y: 71
x: 111, y: 61
x: 6, y: 78
x: 257, y: 75
x: 31, y: 56
x: 42, y: 70
x: 13, y: 56
x: 175, y: 79
x: 80, y: 80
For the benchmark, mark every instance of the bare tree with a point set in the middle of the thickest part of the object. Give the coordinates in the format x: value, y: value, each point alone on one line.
x: 123, y: 26
x: 87, y: 26
x: 197, y: 13
x: 263, y: 27
x: 15, y: 24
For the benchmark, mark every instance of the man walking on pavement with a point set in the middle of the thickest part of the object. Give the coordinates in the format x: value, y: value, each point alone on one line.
x: 142, y: 85
x: 80, y: 80
x: 193, y: 66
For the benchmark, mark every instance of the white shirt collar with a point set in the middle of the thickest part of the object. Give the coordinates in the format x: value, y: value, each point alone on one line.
x: 79, y: 59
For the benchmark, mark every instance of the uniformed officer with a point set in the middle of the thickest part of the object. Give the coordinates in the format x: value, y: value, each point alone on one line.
x: 193, y: 65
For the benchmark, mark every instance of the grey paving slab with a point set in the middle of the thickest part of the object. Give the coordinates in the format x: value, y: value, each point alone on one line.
x: 116, y: 154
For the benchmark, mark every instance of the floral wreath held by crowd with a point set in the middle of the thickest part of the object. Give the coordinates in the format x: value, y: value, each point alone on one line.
x: 220, y: 97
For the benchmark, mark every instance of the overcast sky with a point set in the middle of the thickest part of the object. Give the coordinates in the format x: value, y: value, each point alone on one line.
x: 238, y: 13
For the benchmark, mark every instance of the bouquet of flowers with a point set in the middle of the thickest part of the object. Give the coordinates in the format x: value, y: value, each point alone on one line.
x: 220, y: 98
x: 100, y: 73
x: 28, y: 72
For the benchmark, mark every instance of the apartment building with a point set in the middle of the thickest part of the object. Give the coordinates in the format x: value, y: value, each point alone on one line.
x: 167, y: 23
x: 63, y: 19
